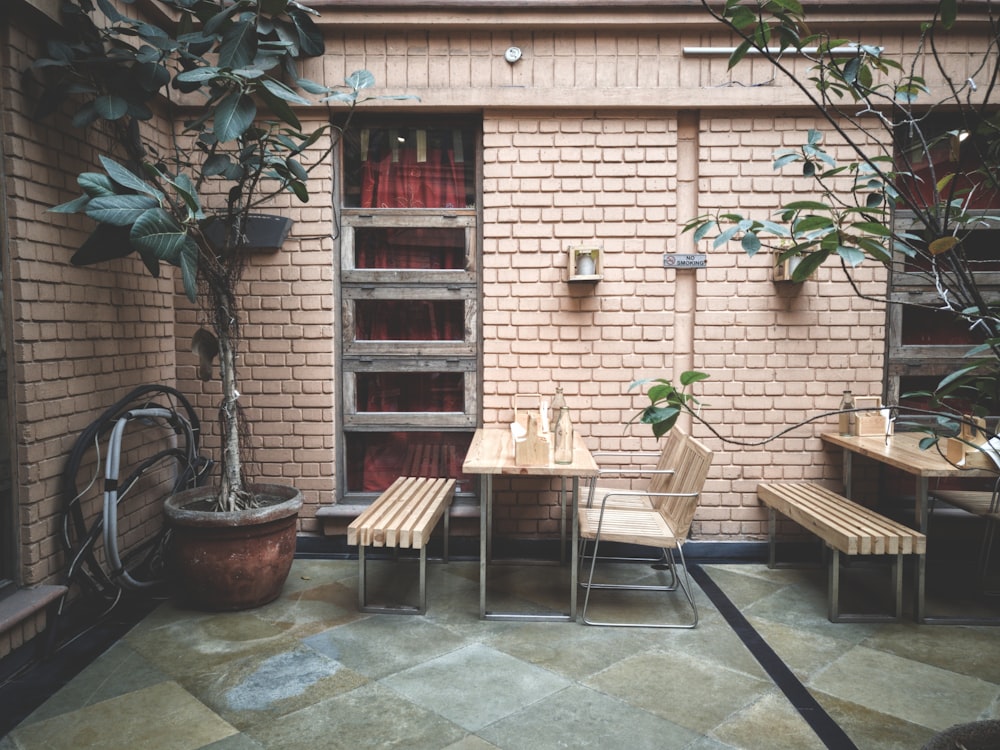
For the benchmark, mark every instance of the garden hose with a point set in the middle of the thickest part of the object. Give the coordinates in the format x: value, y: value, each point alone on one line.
x: 109, y: 579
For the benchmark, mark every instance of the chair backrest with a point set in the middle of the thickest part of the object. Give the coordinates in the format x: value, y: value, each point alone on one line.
x: 690, y: 472
x: 667, y: 461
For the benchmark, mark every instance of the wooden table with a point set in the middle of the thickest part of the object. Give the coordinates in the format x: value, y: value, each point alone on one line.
x: 490, y: 454
x: 902, y: 451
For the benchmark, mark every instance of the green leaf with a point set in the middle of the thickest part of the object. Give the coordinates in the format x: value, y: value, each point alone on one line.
x: 106, y: 242
x: 127, y: 178
x: 216, y: 164
x: 85, y: 116
x: 806, y: 206
x: 955, y: 376
x: 75, y: 206
x: 812, y: 224
x: 725, y: 236
x: 739, y: 53
x: 692, y: 376
x: 742, y: 17
x: 282, y: 91
x: 949, y: 12
x: 851, y: 255
x: 110, y: 107
x: 784, y: 159
x: 189, y: 268
x: 808, y: 265
x: 360, y: 80
x: 95, y: 184
x: 312, y: 87
x: 280, y: 109
x: 704, y: 229
x: 750, y: 243
x: 119, y: 210
x: 157, y: 233
x: 310, y: 37
x: 234, y: 115
x: 197, y: 75
x: 239, y: 45
x: 297, y: 169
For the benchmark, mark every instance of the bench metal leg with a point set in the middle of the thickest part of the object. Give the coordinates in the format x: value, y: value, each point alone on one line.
x: 833, y: 593
x: 772, y: 529
x: 402, y: 609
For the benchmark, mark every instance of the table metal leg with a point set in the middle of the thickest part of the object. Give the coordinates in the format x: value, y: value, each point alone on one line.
x: 921, y: 573
x: 576, y: 548
x: 486, y: 556
x: 562, y: 520
x: 485, y: 509
x: 848, y: 471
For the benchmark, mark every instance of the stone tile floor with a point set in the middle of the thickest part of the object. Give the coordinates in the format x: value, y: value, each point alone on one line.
x: 310, y: 671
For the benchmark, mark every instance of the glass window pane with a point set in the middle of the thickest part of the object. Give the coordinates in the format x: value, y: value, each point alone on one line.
x: 423, y: 248
x: 376, y: 459
x: 410, y: 392
x: 409, y: 168
x: 409, y: 320
x: 924, y: 327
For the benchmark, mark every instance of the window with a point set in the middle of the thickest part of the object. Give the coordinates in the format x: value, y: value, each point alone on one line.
x: 409, y: 299
x: 923, y: 344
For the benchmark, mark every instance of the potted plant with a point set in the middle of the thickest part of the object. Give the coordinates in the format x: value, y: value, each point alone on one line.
x: 199, y: 109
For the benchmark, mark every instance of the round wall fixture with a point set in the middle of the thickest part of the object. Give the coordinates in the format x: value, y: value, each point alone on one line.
x: 512, y: 55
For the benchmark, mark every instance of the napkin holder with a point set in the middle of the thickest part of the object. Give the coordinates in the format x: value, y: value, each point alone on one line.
x: 532, y: 440
x: 963, y: 451
x: 873, y: 421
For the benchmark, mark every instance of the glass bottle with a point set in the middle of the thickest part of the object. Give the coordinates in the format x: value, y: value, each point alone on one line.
x: 846, y: 417
x: 562, y: 451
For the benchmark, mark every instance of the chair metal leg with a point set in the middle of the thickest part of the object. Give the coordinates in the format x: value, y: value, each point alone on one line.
x: 684, y: 586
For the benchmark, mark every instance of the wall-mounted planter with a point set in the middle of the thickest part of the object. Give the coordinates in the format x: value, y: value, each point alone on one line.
x: 264, y: 232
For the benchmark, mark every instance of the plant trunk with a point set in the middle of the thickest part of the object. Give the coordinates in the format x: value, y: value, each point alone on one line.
x: 232, y: 491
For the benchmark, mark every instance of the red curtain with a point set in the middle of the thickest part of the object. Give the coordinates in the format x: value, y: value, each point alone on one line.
x: 409, y: 176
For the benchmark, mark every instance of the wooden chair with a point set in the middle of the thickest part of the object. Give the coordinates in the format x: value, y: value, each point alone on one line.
x: 982, y: 503
x: 665, y: 525
x: 627, y: 466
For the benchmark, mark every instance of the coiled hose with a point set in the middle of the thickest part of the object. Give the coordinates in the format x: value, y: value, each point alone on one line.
x: 150, y: 405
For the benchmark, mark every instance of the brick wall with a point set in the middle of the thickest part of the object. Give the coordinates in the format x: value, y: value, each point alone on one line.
x: 777, y: 354
x: 79, y: 339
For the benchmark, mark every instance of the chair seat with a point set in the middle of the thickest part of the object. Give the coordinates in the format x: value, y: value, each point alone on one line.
x: 627, y: 526
x: 618, y: 499
x: 971, y: 501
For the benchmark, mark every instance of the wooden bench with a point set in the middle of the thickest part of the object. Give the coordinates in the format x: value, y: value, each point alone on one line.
x: 845, y: 527
x: 402, y: 517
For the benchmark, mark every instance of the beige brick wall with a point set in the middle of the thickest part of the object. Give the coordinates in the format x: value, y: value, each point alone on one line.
x: 777, y: 354
x: 79, y: 339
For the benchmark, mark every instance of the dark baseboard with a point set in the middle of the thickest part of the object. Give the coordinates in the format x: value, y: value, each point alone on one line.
x: 467, y: 548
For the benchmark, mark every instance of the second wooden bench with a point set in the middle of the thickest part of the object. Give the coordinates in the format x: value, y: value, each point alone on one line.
x: 402, y: 517
x: 845, y: 527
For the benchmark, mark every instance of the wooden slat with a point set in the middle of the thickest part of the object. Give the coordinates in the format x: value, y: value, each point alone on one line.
x: 668, y: 519
x: 903, y: 452
x: 628, y: 526
x: 979, y: 502
x: 404, y: 515
x: 851, y: 528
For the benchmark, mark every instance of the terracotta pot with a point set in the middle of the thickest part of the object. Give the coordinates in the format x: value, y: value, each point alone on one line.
x: 231, y: 561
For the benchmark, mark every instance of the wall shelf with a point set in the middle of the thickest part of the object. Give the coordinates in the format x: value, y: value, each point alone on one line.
x: 585, y: 262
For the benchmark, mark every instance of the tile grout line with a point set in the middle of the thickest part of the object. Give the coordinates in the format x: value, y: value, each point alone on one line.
x: 829, y: 732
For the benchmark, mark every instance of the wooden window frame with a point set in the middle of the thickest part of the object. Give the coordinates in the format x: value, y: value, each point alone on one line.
x: 462, y: 285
